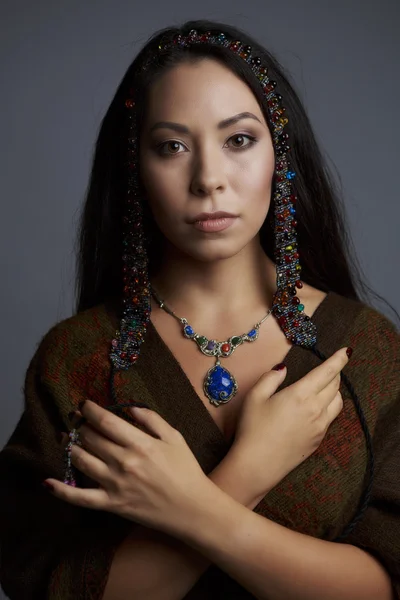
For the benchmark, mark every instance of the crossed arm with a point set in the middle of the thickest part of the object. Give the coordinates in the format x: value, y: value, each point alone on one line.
x: 269, y: 560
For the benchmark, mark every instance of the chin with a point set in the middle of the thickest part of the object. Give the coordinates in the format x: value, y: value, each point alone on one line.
x: 213, y: 252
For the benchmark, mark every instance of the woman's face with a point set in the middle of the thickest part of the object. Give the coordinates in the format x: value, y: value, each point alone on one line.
x: 192, y: 162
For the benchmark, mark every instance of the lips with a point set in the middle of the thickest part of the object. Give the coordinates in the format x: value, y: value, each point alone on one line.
x: 209, y: 216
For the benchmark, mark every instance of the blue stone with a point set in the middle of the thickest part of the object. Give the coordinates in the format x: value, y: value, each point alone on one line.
x: 290, y: 175
x: 252, y: 333
x: 189, y: 330
x: 220, y: 383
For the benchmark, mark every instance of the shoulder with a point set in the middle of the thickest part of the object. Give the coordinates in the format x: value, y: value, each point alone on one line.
x: 75, y: 349
x: 375, y: 333
x: 374, y: 367
x: 367, y: 326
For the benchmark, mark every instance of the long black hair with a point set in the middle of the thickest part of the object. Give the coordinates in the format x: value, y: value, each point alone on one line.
x: 327, y: 254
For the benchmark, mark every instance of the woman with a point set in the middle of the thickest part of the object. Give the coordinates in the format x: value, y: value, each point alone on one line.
x: 237, y: 474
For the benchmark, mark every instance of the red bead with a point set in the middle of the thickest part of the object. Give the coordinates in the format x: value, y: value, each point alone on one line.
x: 123, y: 355
x: 225, y: 348
x: 299, y: 284
x: 296, y: 300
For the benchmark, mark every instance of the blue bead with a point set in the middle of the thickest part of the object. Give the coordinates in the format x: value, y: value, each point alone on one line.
x: 290, y: 175
x: 252, y: 333
x: 220, y: 384
x: 189, y: 330
x: 292, y: 211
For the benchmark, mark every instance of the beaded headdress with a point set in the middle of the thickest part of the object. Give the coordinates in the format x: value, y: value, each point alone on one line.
x: 286, y: 306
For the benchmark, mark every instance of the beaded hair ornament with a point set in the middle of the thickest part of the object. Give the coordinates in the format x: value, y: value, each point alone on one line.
x: 286, y: 306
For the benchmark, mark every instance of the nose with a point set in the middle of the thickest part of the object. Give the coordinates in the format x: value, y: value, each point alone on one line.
x: 208, y: 175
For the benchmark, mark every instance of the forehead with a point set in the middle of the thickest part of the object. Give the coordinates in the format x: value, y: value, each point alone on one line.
x: 200, y: 90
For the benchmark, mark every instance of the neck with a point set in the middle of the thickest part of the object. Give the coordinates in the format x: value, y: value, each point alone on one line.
x: 231, y: 289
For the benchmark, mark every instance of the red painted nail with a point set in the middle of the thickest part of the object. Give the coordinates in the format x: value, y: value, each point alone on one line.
x: 279, y: 367
x: 48, y: 486
x: 349, y: 352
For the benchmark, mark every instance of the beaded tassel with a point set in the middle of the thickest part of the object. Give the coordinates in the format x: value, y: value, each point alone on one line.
x: 73, y: 439
x: 137, y: 305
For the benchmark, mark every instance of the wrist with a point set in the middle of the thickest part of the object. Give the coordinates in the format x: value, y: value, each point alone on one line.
x: 233, y: 477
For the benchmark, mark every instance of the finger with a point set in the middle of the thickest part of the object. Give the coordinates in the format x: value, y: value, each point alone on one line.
x: 96, y: 499
x: 90, y: 465
x: 335, y: 407
x: 76, y: 419
x: 99, y: 445
x: 317, y: 379
x: 266, y: 385
x: 156, y: 424
x: 111, y: 426
x: 326, y: 395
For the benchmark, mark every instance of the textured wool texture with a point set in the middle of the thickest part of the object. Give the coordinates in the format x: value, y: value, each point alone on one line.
x: 56, y: 551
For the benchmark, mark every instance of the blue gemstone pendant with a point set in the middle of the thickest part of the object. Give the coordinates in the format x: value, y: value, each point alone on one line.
x: 219, y: 385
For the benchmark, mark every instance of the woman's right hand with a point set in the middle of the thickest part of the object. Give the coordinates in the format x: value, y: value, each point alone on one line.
x: 278, y: 431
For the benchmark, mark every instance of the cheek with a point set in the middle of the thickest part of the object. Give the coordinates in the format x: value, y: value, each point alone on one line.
x: 161, y: 188
x: 254, y: 183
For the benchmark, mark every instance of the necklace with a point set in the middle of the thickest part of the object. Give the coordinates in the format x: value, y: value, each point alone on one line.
x: 219, y: 384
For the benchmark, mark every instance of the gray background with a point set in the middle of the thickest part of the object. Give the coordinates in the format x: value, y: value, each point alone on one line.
x: 61, y: 63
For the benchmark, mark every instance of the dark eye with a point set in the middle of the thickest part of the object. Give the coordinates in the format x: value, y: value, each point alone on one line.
x: 174, y: 145
x: 240, y: 138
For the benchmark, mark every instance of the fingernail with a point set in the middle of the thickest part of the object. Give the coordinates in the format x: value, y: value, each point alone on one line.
x: 48, y: 486
x: 349, y: 352
x: 279, y: 367
x: 140, y: 405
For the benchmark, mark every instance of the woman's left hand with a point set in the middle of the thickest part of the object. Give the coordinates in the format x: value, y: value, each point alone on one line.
x: 154, y: 481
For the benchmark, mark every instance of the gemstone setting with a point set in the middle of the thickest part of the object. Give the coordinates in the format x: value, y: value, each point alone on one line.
x: 219, y: 385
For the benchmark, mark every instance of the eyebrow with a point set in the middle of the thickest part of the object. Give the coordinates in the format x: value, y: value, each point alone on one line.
x: 222, y: 125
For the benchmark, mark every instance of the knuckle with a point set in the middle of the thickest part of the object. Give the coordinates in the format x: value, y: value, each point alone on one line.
x: 331, y: 370
x: 128, y: 465
x: 299, y: 395
x: 178, y: 435
x: 104, y: 421
x: 78, y: 457
x: 313, y: 409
